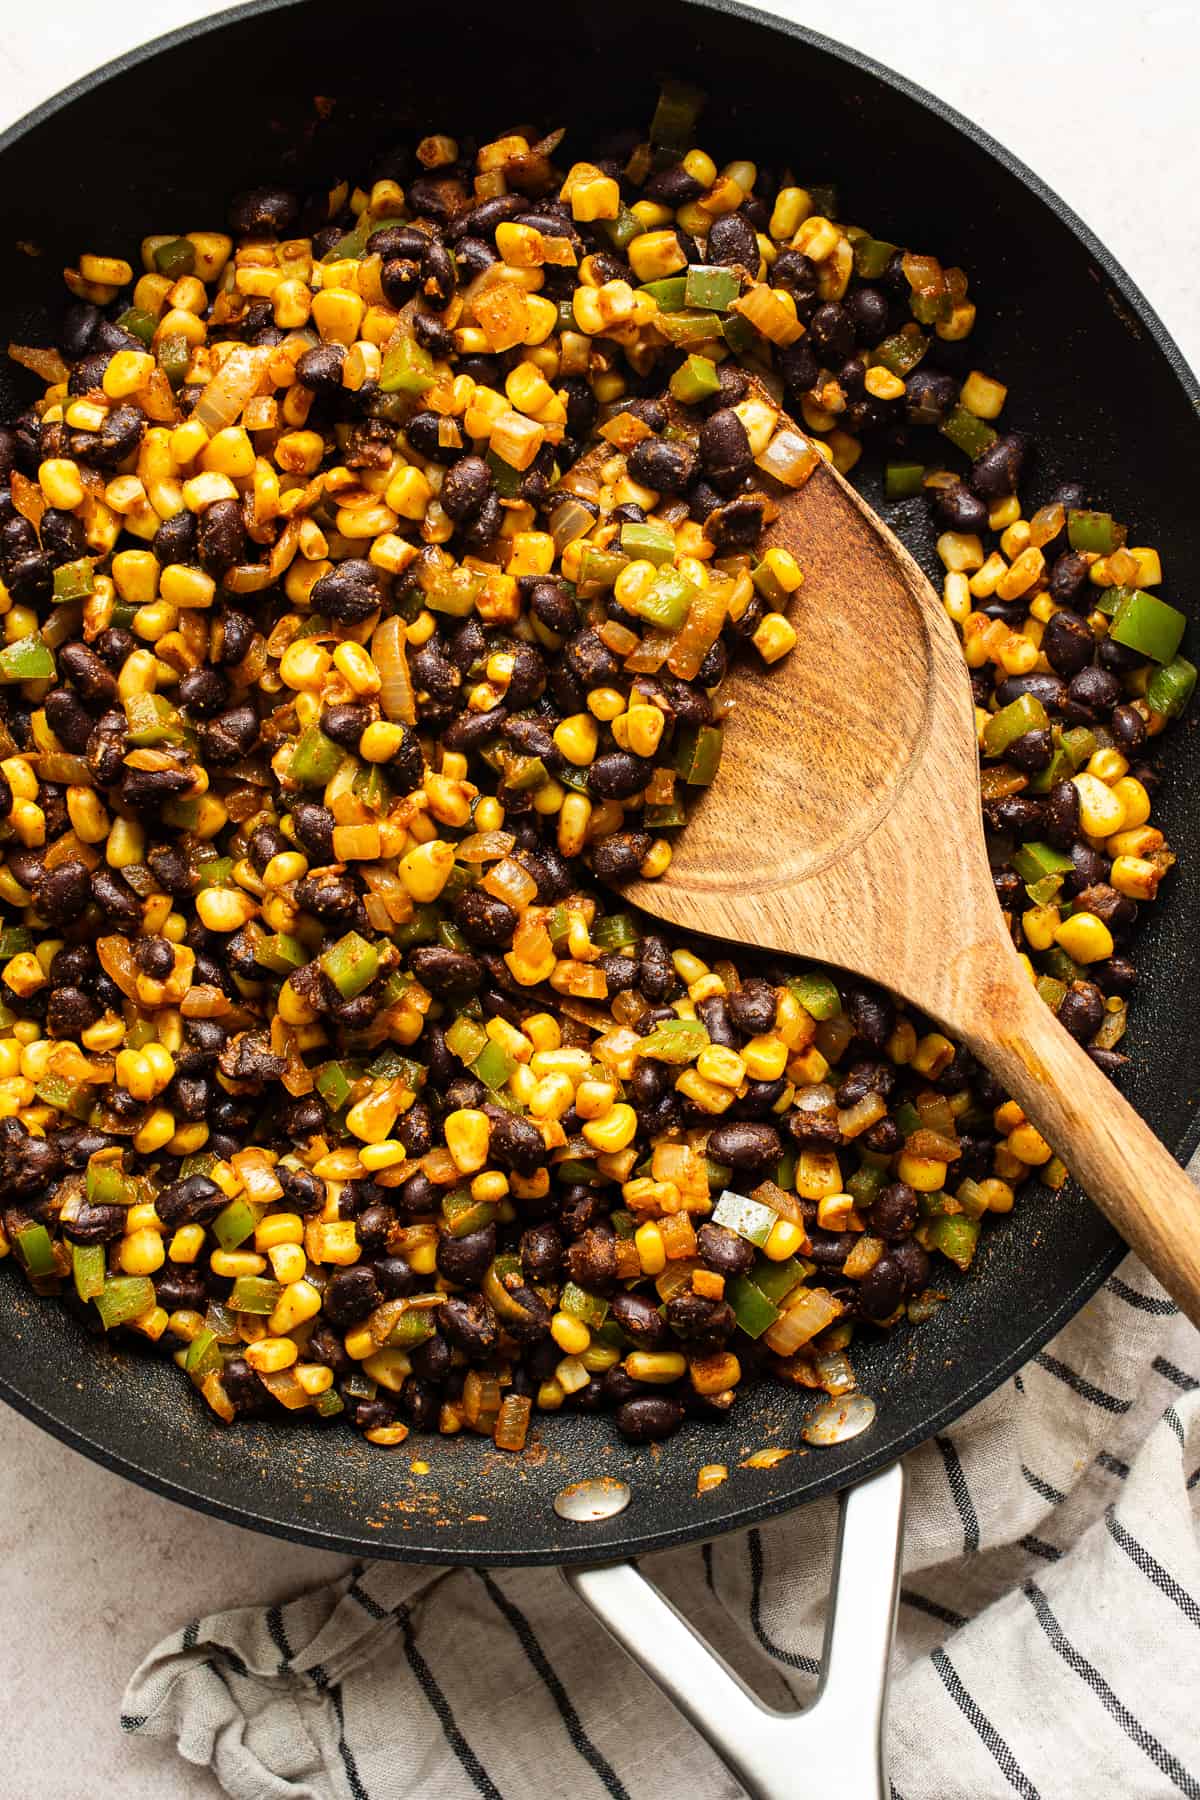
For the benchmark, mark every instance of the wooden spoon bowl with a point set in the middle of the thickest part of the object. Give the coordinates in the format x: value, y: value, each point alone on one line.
x: 845, y: 825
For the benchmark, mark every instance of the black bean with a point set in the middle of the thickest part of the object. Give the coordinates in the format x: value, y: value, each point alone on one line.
x: 725, y: 450
x: 314, y: 827
x: 115, y: 898
x: 466, y: 487
x: 732, y: 243
x: 929, y: 394
x: 230, y: 736
x: 440, y: 969
x: 894, y: 1212
x: 62, y: 535
x: 1115, y: 975
x: 204, y: 691
x: 346, y: 722
x: 868, y: 310
x: 320, y: 369
x: 1128, y: 728
x: 552, y: 607
x: 799, y: 366
x: 194, y: 1201
x: 959, y: 509
x: 640, y: 1319
x: 541, y: 1252
x: 232, y: 638
x: 872, y: 1015
x: 1118, y: 658
x: 1093, y: 690
x: 1049, y: 689
x: 832, y: 332
x: 649, y: 1418
x: 87, y: 674
x: 1082, y: 1010
x: 1060, y: 814
x: 69, y: 1012
x: 484, y: 919
x: 349, y: 592
x: 619, y: 857
x: 997, y: 472
x: 715, y: 1015
x: 106, y: 747
x: 664, y: 465
x: 1068, y: 643
x: 68, y: 721
x: 753, y: 1006
x: 881, y: 1289
x: 264, y: 212
x: 745, y: 1145
x: 516, y: 1144
x: 913, y: 1263
x: 618, y: 775
x: 1068, y: 578
x: 96, y: 1223
x: 1032, y: 751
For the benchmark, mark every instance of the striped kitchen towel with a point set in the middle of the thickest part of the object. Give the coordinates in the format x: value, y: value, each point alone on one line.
x: 1048, y: 1643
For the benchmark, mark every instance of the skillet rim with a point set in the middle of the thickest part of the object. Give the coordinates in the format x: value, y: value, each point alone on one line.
x: 815, y: 1485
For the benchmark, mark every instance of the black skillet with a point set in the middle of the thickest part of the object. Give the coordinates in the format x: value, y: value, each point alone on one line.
x: 157, y: 141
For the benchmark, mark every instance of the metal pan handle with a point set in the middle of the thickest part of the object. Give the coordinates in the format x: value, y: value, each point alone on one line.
x: 837, y: 1743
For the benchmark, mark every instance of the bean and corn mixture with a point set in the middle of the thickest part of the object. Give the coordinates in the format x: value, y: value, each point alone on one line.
x: 334, y: 678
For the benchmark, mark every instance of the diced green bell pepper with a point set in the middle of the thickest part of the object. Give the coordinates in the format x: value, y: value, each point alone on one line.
x: 334, y: 1081
x: 697, y: 753
x: 466, y: 1038
x: 328, y: 1404
x: 107, y: 1184
x: 694, y: 381
x: 599, y: 568
x: 1079, y: 742
x: 622, y: 230
x: 967, y: 433
x: 711, y: 286
x: 1056, y: 962
x: 216, y: 872
x: 507, y: 479
x: 464, y: 1214
x: 664, y: 818
x: 420, y: 929
x: 591, y: 1308
x: 1171, y: 687
x: 412, y: 1328
x: 777, y: 1279
x: 1097, y: 532
x: 407, y: 368
x: 152, y: 720
x: 254, y: 1294
x: 176, y: 258
x: 956, y: 1236
x: 902, y: 480
x: 28, y: 659
x: 74, y: 580
x: 138, y: 323
x: 751, y: 1308
x: 203, y: 1356
x: 351, y: 964
x: 690, y: 327
x: 234, y: 1223
x: 316, y: 758
x: 749, y: 1218
x: 1052, y: 992
x: 668, y: 293
x: 122, y: 1298
x: 493, y: 1066
x: 865, y: 1184
x: 281, y: 953
x: 173, y: 354
x: 666, y: 600
x: 71, y: 1097
x: 901, y: 353
x: 817, y: 994
x: 35, y: 1247
x: 1144, y: 623
x: 675, y: 1041
x: 872, y: 256
x: 1025, y: 713
x: 679, y: 107
x: 15, y: 940
x: 614, y: 931
x: 1034, y: 860
x: 87, y: 1269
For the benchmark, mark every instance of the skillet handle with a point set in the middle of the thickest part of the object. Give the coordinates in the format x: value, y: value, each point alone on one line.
x: 837, y: 1744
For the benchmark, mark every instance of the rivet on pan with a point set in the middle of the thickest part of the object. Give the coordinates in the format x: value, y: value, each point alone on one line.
x: 839, y: 1419
x: 585, y: 1501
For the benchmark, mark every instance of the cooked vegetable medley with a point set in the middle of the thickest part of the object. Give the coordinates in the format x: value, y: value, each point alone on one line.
x: 370, y: 574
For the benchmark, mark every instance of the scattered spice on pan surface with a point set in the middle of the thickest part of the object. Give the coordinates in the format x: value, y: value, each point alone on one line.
x: 365, y: 616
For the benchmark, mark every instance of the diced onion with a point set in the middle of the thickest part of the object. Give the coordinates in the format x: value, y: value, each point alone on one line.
x: 235, y: 382
x: 40, y: 360
x: 788, y: 457
x: 485, y: 846
x: 838, y: 1420
x: 569, y: 520
x: 390, y: 657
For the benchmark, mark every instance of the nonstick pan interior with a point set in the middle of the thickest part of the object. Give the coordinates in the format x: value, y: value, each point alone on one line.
x: 158, y: 143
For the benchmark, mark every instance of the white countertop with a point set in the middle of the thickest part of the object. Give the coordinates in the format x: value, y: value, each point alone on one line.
x: 1099, y: 100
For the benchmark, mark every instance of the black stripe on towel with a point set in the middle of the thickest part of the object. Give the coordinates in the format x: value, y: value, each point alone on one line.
x: 1188, y: 1383
x: 1151, y: 1568
x: 807, y: 1664
x: 943, y: 1615
x: 961, y: 1494
x: 528, y: 1640
x: 441, y: 1706
x: 1148, y: 1303
x: 1079, y: 1384
x: 1006, y: 1762
x: 1040, y: 1486
x: 1133, y: 1728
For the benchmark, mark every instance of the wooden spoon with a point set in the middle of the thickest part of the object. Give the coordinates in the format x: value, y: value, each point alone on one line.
x: 845, y: 825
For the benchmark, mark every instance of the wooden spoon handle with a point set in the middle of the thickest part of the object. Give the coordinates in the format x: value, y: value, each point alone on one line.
x: 1128, y: 1173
